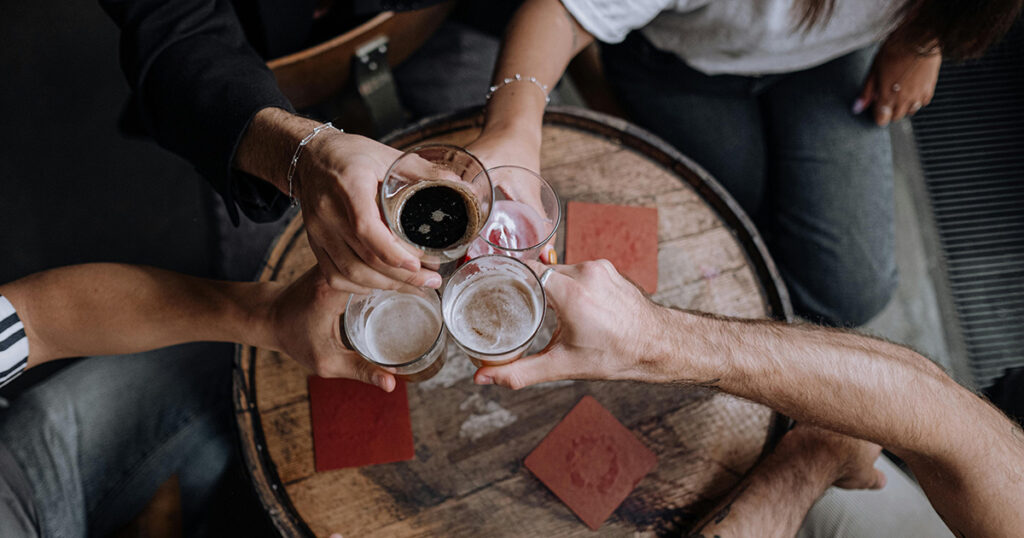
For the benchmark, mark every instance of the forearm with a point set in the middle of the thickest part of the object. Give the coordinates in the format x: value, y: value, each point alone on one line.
x: 540, y: 41
x: 838, y: 380
x: 268, y: 144
x: 964, y: 451
x: 100, y: 309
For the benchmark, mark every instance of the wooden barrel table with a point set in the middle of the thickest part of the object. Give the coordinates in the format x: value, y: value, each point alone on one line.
x: 468, y: 477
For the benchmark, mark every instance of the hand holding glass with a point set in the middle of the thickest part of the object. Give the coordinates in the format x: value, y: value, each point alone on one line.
x: 524, y: 215
x: 400, y: 330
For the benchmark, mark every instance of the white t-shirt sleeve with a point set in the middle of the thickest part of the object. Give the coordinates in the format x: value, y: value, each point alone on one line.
x: 13, y: 343
x: 611, y: 20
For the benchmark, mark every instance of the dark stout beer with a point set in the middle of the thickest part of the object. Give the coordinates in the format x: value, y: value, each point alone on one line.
x: 438, y: 215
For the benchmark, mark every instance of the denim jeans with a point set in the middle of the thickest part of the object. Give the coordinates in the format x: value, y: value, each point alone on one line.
x: 97, y: 439
x: 817, y: 180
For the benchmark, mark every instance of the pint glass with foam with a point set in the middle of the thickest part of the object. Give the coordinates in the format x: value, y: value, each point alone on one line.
x: 493, y: 307
x: 401, y: 330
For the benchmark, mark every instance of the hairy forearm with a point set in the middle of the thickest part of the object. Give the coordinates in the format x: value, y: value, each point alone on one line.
x: 267, y: 147
x: 773, y: 500
x: 540, y: 41
x: 100, y: 309
x: 963, y: 450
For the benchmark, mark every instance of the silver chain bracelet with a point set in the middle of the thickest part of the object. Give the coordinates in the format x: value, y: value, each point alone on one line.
x: 519, y: 78
x: 298, y: 151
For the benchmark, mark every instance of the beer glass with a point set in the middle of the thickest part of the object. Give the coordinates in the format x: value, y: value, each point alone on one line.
x: 493, y: 307
x: 401, y: 330
x: 524, y: 215
x: 436, y: 197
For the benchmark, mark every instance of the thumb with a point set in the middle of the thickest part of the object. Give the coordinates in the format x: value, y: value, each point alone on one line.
x: 352, y: 366
x: 880, y: 480
x: 546, y: 366
x: 867, y: 95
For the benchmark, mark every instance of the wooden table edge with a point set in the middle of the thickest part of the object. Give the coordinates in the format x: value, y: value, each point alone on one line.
x: 262, y: 471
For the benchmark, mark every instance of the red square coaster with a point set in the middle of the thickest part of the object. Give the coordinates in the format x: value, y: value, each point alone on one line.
x: 626, y: 236
x: 591, y: 462
x: 356, y: 424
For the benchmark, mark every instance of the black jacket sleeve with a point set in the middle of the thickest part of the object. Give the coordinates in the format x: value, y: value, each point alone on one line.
x: 197, y: 84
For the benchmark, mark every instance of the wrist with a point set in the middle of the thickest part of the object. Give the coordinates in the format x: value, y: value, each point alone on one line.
x: 269, y: 142
x: 522, y: 132
x: 255, y: 324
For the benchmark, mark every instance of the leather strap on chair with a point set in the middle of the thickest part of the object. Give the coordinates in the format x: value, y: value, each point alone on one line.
x: 376, y: 86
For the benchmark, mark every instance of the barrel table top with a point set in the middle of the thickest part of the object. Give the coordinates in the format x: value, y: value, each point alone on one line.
x: 468, y: 478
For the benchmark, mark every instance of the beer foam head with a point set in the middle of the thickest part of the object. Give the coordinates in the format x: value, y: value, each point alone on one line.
x: 494, y: 312
x: 400, y: 328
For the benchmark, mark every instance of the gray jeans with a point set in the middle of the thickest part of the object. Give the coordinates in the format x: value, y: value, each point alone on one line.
x: 816, y: 179
x: 95, y: 441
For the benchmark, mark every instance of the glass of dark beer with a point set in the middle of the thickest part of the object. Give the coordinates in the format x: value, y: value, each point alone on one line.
x: 436, y: 197
x: 401, y: 330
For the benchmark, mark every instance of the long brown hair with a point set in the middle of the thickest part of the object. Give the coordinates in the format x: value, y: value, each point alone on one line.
x: 960, y: 28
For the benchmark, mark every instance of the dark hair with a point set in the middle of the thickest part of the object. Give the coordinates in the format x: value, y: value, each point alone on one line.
x: 960, y: 28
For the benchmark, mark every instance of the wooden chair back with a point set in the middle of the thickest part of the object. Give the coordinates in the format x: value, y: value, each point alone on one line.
x: 315, y: 74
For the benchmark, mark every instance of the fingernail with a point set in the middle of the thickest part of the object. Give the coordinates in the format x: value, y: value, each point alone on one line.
x: 885, y: 114
x: 858, y: 106
x: 433, y: 281
x: 411, y: 265
x: 552, y: 256
x: 380, y: 381
x: 484, y: 380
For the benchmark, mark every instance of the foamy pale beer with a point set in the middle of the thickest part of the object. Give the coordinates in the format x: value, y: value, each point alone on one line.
x: 493, y: 307
x: 404, y: 331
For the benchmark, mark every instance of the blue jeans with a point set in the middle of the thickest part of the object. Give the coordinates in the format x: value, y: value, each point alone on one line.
x: 97, y: 439
x: 817, y: 180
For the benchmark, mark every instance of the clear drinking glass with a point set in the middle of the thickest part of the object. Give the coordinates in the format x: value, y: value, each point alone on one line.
x: 493, y: 306
x: 524, y: 215
x: 436, y: 197
x: 401, y: 330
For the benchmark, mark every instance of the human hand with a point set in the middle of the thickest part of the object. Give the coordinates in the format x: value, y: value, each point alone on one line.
x: 849, y: 463
x: 305, y: 318
x: 339, y: 180
x: 498, y: 150
x: 605, y: 328
x: 901, y: 82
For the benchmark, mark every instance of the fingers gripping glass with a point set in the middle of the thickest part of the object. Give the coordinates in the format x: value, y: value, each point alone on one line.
x: 524, y: 215
x: 436, y: 198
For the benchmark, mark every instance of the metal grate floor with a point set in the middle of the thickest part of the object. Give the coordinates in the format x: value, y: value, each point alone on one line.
x: 971, y: 144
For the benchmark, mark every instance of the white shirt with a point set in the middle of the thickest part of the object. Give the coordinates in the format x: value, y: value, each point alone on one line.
x: 739, y: 37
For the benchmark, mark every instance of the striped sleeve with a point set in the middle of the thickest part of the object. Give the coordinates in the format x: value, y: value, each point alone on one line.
x: 13, y: 343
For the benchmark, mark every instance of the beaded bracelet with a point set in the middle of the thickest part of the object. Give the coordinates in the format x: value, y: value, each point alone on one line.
x: 519, y: 78
x: 298, y: 151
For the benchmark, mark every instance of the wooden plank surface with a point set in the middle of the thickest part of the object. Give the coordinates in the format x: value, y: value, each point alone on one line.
x: 468, y: 478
